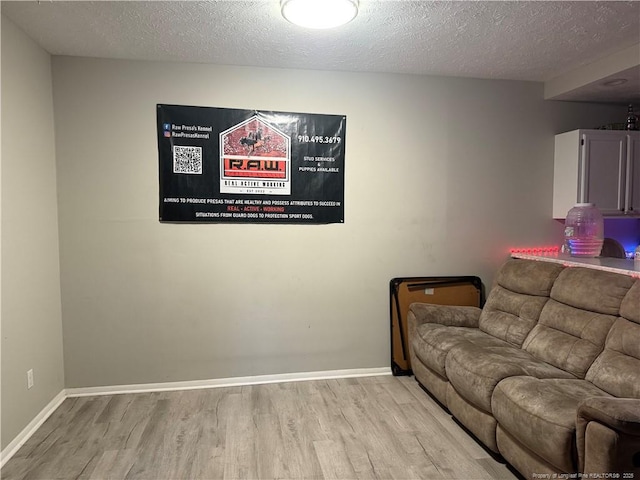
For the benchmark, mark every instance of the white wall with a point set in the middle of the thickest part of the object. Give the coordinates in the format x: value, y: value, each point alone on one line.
x: 31, y: 315
x: 442, y: 177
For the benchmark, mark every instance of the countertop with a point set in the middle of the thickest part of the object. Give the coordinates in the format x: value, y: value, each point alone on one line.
x: 616, y: 265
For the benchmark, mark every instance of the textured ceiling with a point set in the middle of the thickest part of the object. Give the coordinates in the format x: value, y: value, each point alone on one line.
x: 517, y: 40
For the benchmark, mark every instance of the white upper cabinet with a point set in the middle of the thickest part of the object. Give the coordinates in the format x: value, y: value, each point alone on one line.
x: 597, y: 166
x: 632, y: 186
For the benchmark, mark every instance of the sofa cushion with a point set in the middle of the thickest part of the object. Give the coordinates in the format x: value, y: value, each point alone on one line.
x: 574, y: 324
x: 520, y: 292
x: 541, y: 414
x: 528, y: 277
x: 617, y: 368
x: 589, y: 289
x: 630, y: 307
x: 510, y: 316
x: 432, y: 343
x: 568, y: 338
x: 475, y: 370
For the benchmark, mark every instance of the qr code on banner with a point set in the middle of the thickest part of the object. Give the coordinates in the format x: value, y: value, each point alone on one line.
x: 187, y: 159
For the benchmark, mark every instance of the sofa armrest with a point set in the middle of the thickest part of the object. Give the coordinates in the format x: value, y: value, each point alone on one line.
x: 622, y: 414
x: 608, y: 435
x: 449, y: 315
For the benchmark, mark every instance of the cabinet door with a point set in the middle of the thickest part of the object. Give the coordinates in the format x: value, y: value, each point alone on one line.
x: 603, y: 171
x: 632, y: 198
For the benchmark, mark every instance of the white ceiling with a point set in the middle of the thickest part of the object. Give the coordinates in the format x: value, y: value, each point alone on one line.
x: 514, y: 40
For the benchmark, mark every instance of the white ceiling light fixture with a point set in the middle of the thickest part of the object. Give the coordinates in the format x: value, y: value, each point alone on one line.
x: 319, y: 13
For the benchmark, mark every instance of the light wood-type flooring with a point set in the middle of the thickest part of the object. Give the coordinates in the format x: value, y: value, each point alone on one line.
x: 360, y: 428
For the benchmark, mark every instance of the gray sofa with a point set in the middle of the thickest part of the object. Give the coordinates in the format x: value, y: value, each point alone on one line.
x: 547, y: 373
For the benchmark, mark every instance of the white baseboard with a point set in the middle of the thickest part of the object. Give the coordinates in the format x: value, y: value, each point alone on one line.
x: 31, y: 428
x: 227, y: 382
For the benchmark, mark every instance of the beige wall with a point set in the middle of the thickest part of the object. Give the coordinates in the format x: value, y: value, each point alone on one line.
x: 31, y: 317
x: 442, y: 177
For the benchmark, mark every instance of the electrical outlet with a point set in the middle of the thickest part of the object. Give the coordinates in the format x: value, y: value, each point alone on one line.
x: 30, y: 378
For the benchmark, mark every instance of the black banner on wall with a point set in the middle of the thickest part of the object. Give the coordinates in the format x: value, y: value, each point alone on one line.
x: 250, y: 166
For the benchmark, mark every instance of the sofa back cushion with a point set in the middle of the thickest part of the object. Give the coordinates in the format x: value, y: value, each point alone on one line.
x: 593, y: 290
x: 520, y: 291
x: 630, y: 308
x: 574, y: 324
x: 617, y: 368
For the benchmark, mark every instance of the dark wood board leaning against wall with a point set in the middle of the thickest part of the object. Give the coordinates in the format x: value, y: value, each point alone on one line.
x: 464, y: 291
